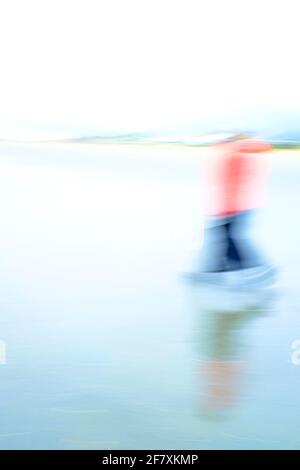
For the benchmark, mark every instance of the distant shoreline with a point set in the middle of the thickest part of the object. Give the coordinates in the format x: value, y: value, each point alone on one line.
x: 276, y: 146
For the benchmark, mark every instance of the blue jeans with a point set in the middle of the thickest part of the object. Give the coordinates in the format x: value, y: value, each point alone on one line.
x: 227, y: 244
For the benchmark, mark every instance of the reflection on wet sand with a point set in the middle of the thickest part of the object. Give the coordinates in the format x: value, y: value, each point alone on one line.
x: 221, y: 319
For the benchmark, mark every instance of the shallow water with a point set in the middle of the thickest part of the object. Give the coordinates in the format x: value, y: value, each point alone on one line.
x: 106, y: 347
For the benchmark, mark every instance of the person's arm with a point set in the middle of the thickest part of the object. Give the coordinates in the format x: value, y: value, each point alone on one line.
x: 253, y: 146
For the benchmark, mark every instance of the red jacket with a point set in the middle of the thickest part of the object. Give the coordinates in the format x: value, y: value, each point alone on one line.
x: 236, y: 177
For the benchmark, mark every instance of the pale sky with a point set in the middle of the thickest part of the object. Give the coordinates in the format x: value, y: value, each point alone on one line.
x: 142, y: 64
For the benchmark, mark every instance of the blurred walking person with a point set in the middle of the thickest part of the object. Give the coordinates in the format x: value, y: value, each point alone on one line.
x: 235, y: 179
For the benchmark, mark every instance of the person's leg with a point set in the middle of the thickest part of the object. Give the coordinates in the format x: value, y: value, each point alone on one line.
x: 213, y: 252
x: 240, y: 242
x: 233, y: 256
